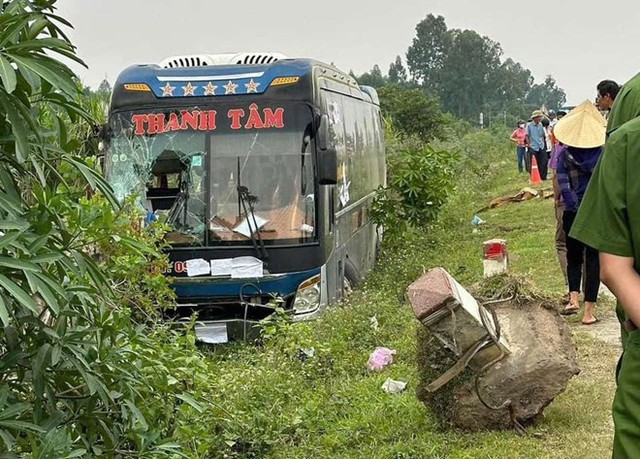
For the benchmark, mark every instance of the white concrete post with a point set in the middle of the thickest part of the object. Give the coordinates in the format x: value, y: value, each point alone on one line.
x: 496, y: 257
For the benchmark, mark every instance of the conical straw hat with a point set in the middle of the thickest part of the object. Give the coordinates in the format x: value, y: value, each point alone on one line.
x: 583, y: 127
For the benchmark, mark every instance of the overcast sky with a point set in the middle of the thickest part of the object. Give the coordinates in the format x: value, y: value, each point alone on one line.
x: 579, y: 42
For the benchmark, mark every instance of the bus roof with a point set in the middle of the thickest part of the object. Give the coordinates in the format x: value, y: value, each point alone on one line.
x: 217, y: 75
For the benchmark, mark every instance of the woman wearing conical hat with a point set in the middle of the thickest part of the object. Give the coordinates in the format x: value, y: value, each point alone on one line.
x: 583, y: 133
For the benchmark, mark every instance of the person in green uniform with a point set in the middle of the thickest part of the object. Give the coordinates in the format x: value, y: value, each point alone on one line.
x: 626, y: 106
x: 626, y: 109
x: 609, y: 220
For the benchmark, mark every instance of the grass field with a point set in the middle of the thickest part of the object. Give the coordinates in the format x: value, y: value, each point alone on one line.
x: 274, y: 404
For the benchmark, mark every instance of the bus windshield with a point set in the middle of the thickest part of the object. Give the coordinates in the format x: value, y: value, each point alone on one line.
x: 220, y: 176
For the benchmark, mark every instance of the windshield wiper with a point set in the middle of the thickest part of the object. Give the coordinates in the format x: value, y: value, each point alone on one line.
x: 180, y: 209
x: 247, y: 200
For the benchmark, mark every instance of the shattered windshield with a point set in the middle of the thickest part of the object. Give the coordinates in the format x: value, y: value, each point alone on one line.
x: 219, y: 177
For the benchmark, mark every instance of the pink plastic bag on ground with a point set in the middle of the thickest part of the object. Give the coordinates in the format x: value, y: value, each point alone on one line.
x: 380, y: 358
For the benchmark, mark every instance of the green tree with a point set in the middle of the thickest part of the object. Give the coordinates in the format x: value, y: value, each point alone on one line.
x: 374, y: 78
x: 510, y: 83
x: 547, y: 94
x: 420, y: 179
x: 427, y: 54
x: 412, y: 112
x: 397, y: 72
x: 104, y: 94
x: 104, y: 88
x: 467, y: 73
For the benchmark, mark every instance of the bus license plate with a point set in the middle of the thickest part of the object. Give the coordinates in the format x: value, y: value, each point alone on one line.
x: 212, y: 333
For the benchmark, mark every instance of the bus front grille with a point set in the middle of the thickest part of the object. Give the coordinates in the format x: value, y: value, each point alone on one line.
x: 225, y: 309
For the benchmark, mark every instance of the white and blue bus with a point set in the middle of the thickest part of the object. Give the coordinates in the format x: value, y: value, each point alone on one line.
x: 264, y: 168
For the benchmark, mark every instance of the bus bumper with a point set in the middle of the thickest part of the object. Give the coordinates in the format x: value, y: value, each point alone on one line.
x: 232, y: 309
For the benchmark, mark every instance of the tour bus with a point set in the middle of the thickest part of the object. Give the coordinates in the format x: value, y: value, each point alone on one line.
x: 264, y: 169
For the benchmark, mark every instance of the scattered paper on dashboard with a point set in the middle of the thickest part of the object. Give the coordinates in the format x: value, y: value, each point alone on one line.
x: 243, y: 227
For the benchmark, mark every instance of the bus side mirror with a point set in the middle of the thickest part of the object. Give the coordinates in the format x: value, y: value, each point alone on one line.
x: 323, y: 133
x: 328, y: 166
x: 101, y: 132
x: 327, y: 157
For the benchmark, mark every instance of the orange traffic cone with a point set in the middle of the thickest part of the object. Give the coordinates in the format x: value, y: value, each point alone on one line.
x: 535, y: 175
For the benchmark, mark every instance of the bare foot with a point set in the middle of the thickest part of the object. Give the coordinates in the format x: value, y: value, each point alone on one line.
x: 589, y: 318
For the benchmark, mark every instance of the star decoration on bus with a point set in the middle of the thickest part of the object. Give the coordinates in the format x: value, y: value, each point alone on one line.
x: 167, y: 90
x: 252, y: 86
x: 189, y: 89
x: 230, y: 88
x: 210, y: 89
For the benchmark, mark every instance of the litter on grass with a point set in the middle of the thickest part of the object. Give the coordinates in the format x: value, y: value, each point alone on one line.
x: 477, y: 221
x: 391, y: 386
x: 525, y: 194
x: 380, y: 358
x: 306, y: 354
x: 374, y: 323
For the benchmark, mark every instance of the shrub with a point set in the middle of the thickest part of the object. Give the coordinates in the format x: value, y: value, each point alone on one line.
x: 419, y: 181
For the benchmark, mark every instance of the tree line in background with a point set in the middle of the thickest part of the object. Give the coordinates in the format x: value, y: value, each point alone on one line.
x: 466, y: 73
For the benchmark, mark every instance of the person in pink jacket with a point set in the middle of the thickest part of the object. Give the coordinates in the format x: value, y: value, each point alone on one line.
x: 519, y: 137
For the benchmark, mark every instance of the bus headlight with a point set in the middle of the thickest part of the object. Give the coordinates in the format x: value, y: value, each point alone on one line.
x: 308, y: 296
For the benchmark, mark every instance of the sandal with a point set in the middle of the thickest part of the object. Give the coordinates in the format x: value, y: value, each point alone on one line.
x: 570, y: 309
x: 591, y: 322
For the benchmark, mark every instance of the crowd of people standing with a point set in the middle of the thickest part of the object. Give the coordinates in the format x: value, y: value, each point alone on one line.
x: 534, y: 139
x: 566, y: 150
x: 593, y: 157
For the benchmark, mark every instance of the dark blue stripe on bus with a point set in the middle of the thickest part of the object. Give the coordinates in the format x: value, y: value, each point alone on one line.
x: 285, y: 285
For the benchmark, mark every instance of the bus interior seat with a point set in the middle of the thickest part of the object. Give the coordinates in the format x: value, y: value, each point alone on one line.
x: 159, y: 193
x: 162, y: 198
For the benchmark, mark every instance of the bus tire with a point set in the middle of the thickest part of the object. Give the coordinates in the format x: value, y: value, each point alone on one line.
x: 378, y: 248
x: 351, y: 278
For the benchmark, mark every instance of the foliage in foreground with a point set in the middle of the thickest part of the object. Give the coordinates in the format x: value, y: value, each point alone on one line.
x: 86, y: 369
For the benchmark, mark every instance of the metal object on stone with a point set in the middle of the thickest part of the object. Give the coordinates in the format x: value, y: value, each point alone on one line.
x: 457, y: 320
x: 497, y: 369
x: 495, y: 257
